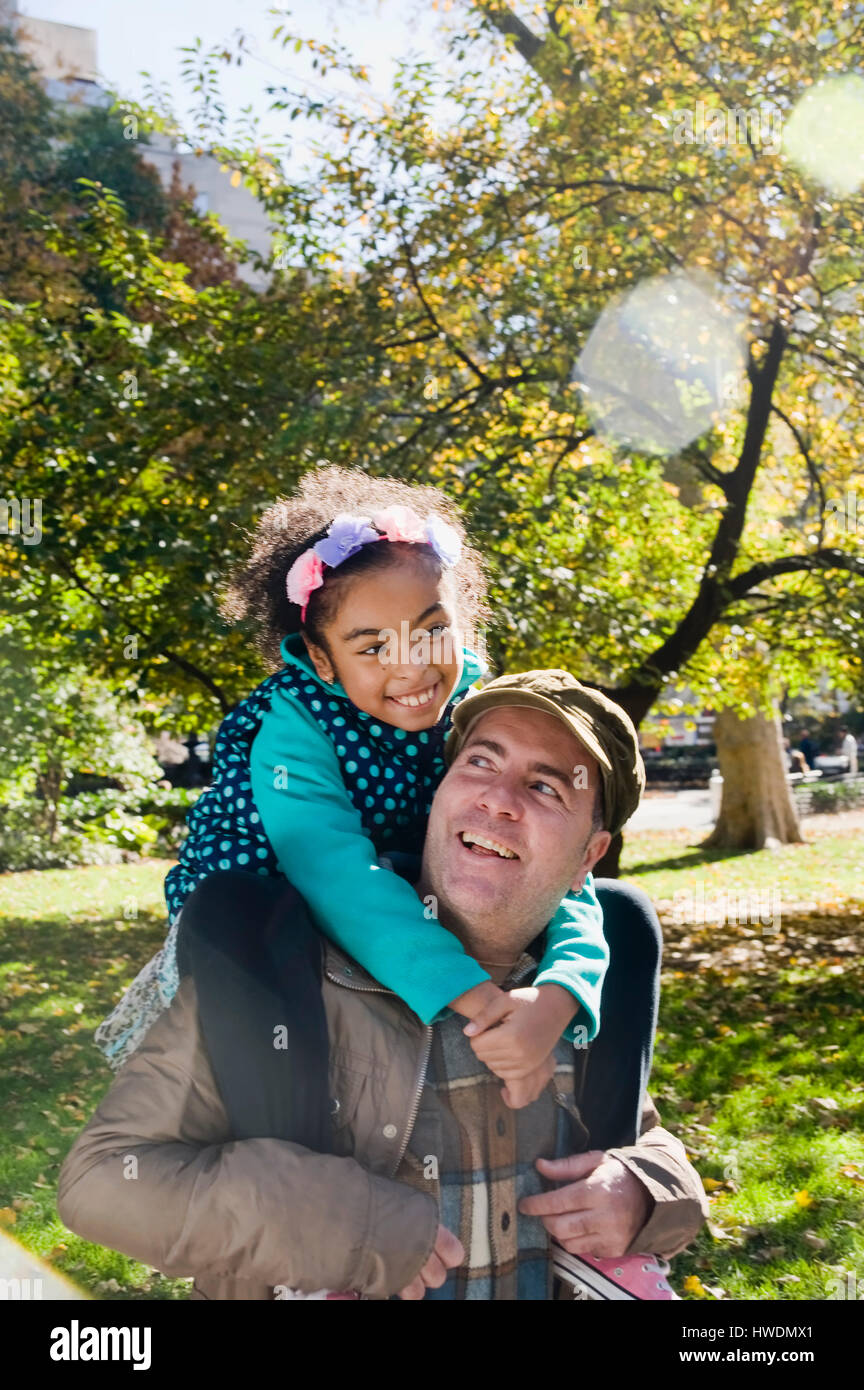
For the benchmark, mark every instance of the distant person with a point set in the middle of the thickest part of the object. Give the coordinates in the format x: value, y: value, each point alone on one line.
x: 849, y: 749
x: 808, y: 748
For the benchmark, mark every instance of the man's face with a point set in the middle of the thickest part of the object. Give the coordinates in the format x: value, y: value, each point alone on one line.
x: 509, y: 833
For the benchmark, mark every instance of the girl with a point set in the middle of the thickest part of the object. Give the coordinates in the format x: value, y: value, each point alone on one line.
x: 359, y: 587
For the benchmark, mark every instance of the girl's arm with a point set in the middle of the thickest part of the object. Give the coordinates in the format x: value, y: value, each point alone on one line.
x: 577, y: 956
x: 325, y: 853
x: 514, y: 1034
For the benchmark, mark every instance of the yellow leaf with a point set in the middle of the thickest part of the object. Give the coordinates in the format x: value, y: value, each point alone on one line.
x: 711, y: 1184
x: 235, y: 178
x: 803, y: 1198
x: 8, y: 1217
x: 693, y: 1284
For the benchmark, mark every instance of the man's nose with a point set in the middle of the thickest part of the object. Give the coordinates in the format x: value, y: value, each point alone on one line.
x: 501, y: 797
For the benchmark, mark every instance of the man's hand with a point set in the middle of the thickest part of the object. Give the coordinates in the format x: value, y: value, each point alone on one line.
x: 447, y: 1254
x: 599, y: 1212
x: 514, y: 1035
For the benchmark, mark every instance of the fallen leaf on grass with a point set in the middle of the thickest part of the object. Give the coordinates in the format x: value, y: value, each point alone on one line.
x: 8, y: 1217
x: 803, y: 1198
x: 693, y: 1284
x: 815, y: 1242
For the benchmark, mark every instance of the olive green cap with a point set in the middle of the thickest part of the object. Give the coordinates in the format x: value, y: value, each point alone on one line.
x: 603, y: 727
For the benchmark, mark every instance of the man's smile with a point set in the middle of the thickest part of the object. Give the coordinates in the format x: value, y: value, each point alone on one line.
x: 485, y: 846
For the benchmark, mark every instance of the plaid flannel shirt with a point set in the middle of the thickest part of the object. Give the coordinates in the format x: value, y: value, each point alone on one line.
x: 478, y: 1159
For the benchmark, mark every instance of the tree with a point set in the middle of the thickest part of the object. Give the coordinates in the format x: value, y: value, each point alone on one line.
x: 54, y: 723
x: 438, y: 279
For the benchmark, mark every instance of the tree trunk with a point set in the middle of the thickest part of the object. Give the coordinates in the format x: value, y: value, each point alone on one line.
x: 757, y: 805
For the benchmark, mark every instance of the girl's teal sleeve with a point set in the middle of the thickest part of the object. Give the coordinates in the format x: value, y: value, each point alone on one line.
x: 324, y: 851
x: 577, y: 955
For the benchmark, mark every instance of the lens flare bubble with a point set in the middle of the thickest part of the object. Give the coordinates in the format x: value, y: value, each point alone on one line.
x: 824, y: 135
x: 662, y: 365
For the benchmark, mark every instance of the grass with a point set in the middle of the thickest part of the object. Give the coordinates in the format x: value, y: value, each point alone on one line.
x: 758, y: 1060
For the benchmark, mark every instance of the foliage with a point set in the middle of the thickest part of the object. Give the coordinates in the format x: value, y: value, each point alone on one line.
x: 835, y: 796
x: 425, y: 317
x: 107, y: 827
x: 54, y: 722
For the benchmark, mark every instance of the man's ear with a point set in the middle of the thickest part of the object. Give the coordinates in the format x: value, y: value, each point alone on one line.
x: 320, y: 660
x: 594, y: 850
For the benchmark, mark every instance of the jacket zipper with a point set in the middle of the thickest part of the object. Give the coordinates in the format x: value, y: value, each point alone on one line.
x: 421, y: 1070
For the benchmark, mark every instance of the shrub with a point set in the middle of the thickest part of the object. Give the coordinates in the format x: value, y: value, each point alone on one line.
x: 826, y: 797
x: 106, y: 827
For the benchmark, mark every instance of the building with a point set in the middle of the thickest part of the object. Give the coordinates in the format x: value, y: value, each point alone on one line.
x: 66, y: 57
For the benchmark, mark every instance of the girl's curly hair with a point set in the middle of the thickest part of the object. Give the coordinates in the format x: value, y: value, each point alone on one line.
x: 256, y: 589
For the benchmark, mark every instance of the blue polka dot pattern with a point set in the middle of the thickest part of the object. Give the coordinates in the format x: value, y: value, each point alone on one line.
x: 390, y: 779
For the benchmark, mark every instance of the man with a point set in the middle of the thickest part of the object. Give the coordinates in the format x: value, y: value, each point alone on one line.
x: 808, y: 748
x: 432, y: 1185
x: 849, y: 749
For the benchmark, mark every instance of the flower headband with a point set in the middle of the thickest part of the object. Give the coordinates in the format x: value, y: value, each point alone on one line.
x: 348, y: 534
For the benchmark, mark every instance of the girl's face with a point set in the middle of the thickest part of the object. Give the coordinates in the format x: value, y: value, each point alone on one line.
x: 393, y: 644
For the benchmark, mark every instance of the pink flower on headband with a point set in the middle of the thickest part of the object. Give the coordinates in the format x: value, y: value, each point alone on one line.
x: 304, y: 577
x: 401, y: 524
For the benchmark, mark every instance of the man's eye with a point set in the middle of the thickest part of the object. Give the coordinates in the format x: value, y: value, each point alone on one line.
x: 478, y: 760
x: 547, y: 789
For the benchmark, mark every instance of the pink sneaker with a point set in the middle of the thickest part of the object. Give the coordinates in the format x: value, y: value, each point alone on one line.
x: 636, y: 1277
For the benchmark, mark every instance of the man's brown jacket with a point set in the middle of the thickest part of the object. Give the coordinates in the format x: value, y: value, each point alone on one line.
x: 156, y: 1174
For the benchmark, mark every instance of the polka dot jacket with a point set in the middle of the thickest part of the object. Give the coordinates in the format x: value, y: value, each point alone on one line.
x: 391, y: 776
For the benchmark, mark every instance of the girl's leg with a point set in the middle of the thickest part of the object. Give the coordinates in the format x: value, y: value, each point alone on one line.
x: 256, y: 959
x: 619, y: 1059
x: 148, y: 996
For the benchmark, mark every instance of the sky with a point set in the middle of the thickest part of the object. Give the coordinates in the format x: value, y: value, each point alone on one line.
x: 132, y: 36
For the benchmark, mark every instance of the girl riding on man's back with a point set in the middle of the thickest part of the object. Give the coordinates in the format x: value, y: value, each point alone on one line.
x: 360, y: 589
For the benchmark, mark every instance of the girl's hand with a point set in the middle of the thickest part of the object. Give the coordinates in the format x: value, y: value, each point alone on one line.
x: 483, y: 1001
x: 448, y: 1254
x: 516, y: 1034
x: 518, y: 1094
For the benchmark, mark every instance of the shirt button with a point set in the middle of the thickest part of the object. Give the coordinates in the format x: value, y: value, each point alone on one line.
x: 335, y: 1107
x: 505, y: 1221
x: 348, y: 970
x: 390, y: 1131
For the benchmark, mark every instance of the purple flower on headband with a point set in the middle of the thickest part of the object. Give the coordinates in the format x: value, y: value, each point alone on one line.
x: 346, y: 536
x: 443, y: 539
